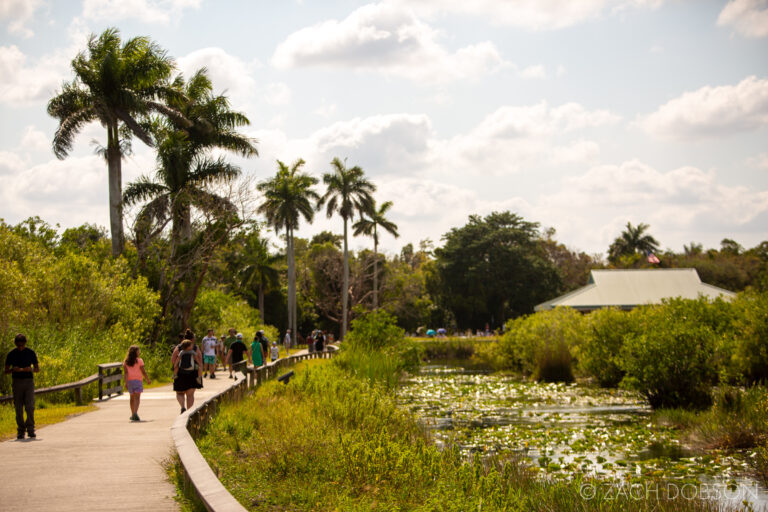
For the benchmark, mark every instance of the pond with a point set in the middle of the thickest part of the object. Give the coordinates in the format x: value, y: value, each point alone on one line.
x: 563, y: 430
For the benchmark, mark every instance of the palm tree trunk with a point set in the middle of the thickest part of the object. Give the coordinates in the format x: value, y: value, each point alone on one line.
x: 261, y: 300
x: 375, y: 273
x: 114, y: 162
x: 291, y: 284
x: 345, y: 290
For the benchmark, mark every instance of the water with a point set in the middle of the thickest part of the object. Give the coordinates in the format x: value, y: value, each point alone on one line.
x: 566, y: 429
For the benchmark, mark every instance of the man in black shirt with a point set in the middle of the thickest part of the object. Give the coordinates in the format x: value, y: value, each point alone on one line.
x: 236, y: 351
x: 21, y: 362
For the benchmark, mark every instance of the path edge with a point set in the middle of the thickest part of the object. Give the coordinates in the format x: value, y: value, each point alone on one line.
x: 198, y: 475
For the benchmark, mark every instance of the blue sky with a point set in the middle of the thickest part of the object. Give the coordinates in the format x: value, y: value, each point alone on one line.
x: 580, y: 115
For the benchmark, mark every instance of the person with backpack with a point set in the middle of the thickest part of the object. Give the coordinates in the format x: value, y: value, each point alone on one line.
x: 187, y: 371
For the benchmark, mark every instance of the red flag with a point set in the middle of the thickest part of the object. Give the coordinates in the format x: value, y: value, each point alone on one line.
x: 652, y: 258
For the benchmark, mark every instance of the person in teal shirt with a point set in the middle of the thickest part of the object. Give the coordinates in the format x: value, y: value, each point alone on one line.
x: 257, y: 354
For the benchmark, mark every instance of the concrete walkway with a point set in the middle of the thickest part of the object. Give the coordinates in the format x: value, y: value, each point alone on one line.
x: 99, y: 460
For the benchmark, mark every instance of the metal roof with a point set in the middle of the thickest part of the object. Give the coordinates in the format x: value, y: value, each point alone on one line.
x: 634, y: 287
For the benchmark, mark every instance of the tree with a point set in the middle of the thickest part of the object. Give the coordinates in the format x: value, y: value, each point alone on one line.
x: 633, y: 240
x: 257, y: 267
x: 492, y: 269
x: 288, y: 196
x: 185, y: 172
x: 347, y: 192
x: 368, y: 225
x: 116, y: 85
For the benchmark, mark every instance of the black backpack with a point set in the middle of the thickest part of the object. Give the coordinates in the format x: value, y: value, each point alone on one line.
x: 187, y: 363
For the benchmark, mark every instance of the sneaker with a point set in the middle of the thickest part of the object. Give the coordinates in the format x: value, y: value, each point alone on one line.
x: 31, y: 435
x: 183, y: 409
x: 20, y: 436
x: 136, y: 417
x: 213, y: 376
x: 205, y: 374
x: 230, y: 376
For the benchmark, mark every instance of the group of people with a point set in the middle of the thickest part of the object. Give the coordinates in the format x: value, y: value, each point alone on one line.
x: 190, y: 366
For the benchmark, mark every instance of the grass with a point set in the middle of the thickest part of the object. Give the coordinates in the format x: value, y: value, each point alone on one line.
x: 332, y: 441
x: 45, y: 414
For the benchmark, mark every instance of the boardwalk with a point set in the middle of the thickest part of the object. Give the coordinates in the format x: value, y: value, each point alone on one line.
x: 99, y: 460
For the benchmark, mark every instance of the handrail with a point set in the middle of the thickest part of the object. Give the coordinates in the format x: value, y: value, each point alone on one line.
x: 198, y: 474
x: 106, y: 374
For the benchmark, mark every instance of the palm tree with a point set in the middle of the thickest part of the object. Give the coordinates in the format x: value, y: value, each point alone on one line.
x: 369, y: 227
x: 258, y: 268
x: 288, y: 196
x: 347, y: 192
x: 185, y: 172
x: 115, y: 85
x: 632, y: 240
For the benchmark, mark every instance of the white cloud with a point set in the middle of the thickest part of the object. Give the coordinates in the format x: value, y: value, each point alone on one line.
x: 17, y: 13
x: 22, y: 82
x: 529, y: 14
x: 147, y: 11
x: 748, y: 17
x: 384, y: 38
x: 536, y: 72
x: 277, y: 93
x: 229, y: 73
x: 35, y: 141
x: 325, y: 109
x: 712, y: 111
x: 760, y: 161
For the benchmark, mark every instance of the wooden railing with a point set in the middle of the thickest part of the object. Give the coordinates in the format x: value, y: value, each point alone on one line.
x: 108, y: 373
x: 198, y: 476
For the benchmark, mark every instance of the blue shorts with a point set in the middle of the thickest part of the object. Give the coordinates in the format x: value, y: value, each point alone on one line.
x: 134, y: 386
x: 209, y: 359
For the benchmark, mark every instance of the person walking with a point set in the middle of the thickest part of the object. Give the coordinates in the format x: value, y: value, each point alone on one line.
x: 287, y: 342
x: 210, y: 344
x: 257, y: 352
x: 21, y: 363
x: 135, y: 374
x: 274, y: 352
x: 235, y: 353
x: 227, y: 344
x: 187, y: 371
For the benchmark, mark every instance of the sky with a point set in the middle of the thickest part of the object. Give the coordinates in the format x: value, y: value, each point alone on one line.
x: 580, y: 115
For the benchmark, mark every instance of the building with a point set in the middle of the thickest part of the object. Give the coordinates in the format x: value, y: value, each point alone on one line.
x: 627, y: 289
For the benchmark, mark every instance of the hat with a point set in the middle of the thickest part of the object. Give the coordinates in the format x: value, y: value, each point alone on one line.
x: 239, y: 336
x: 259, y: 332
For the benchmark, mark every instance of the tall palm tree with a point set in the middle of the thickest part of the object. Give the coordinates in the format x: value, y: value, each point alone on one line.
x: 288, y: 196
x: 369, y: 225
x: 347, y: 192
x: 186, y: 170
x: 632, y: 240
x: 116, y: 85
x: 185, y: 166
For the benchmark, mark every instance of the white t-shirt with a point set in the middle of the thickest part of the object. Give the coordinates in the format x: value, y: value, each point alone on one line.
x: 275, y: 352
x: 209, y: 345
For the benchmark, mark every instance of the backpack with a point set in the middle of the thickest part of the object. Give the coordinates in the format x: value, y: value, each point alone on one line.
x: 187, y: 363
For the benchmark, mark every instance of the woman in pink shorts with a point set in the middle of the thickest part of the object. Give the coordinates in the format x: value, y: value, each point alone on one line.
x: 133, y: 367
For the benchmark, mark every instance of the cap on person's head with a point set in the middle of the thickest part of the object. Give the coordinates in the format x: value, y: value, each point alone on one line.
x: 239, y: 336
x: 210, y: 330
x: 259, y: 332
x: 20, y: 339
x: 274, y: 343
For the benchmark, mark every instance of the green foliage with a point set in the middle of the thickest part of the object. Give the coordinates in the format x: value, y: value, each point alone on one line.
x: 491, y: 269
x: 544, y: 344
x: 76, y: 311
x: 218, y: 310
x: 737, y: 419
x: 599, y: 356
x: 671, y: 358
x: 748, y: 347
x: 378, y: 349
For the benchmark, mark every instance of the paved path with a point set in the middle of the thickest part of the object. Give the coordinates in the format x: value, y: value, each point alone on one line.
x: 99, y: 460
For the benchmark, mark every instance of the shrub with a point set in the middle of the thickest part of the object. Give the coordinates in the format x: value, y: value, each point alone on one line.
x: 603, y: 341
x: 745, y: 353
x: 544, y: 344
x: 218, y: 310
x: 670, y: 360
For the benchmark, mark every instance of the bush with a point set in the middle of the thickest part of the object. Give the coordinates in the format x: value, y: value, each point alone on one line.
x: 544, y: 344
x: 745, y: 353
x: 670, y: 360
x: 603, y: 341
x: 218, y: 310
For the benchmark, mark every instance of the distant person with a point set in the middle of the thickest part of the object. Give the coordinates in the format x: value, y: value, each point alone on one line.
x: 257, y: 351
x: 222, y: 352
x: 187, y: 371
x: 21, y: 363
x: 319, y: 341
x: 275, y: 352
x: 228, y: 343
x: 210, y: 346
x: 235, y: 353
x: 287, y: 340
x: 311, y: 342
x: 264, y: 344
x: 135, y: 374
